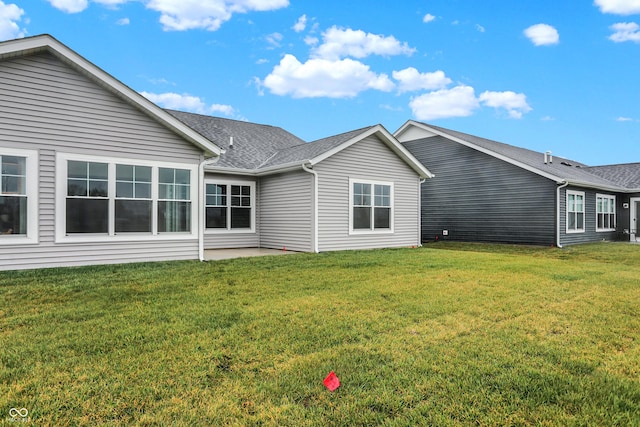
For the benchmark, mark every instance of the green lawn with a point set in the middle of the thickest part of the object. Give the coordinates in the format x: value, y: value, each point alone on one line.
x: 447, y: 334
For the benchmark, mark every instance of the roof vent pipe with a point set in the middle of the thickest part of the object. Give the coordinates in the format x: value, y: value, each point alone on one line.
x: 230, y: 141
x: 548, y: 157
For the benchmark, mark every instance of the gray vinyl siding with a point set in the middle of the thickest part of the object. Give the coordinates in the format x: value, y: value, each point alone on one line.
x: 590, y: 219
x: 286, y: 211
x: 45, y: 105
x: 477, y: 197
x: 369, y: 159
x: 233, y: 240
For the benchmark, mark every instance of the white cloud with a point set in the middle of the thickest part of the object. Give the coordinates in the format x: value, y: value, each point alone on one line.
x: 624, y: 119
x: 542, y: 34
x: 274, y: 39
x: 514, y: 103
x: 10, y: 15
x: 428, y: 18
x: 319, y: 77
x: 411, y: 80
x: 123, y: 21
x: 338, y: 43
x: 301, y: 24
x: 75, y: 6
x: 619, y: 7
x: 624, y: 32
x: 459, y: 101
x: 480, y: 28
x: 311, y: 41
x: 181, y: 15
x: 190, y: 103
x: 70, y: 6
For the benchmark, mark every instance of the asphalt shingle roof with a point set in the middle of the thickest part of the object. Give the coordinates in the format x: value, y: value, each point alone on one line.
x: 312, y: 149
x: 627, y: 175
x: 258, y: 146
x: 253, y: 144
x: 566, y: 169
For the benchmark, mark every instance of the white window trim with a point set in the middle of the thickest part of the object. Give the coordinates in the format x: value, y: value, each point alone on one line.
x: 31, y: 191
x: 615, y: 212
x: 252, y: 185
x: 61, y: 195
x: 391, y: 215
x: 584, y: 208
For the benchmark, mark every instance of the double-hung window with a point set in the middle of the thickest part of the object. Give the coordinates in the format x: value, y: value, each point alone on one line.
x: 605, y: 212
x: 371, y: 206
x: 100, y: 198
x: 230, y: 206
x: 174, y: 205
x: 575, y: 212
x: 18, y: 196
x: 133, y: 204
x: 87, y: 204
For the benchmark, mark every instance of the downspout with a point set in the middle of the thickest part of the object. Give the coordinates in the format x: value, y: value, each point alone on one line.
x: 422, y: 181
x: 315, y: 205
x: 559, y: 219
x: 201, y: 203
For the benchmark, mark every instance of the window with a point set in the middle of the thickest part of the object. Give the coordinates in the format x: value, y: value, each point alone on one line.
x: 371, y: 206
x: 133, y: 199
x: 13, y: 195
x: 87, y: 197
x: 101, y: 199
x: 174, y: 205
x: 229, y: 206
x: 575, y: 212
x: 18, y: 196
x: 605, y: 213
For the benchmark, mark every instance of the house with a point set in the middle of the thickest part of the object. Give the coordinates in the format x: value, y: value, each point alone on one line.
x: 489, y: 191
x: 94, y: 173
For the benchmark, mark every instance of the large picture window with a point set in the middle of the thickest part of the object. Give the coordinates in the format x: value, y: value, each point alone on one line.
x: 371, y: 206
x: 575, y: 211
x: 605, y: 212
x: 229, y: 206
x: 102, y: 198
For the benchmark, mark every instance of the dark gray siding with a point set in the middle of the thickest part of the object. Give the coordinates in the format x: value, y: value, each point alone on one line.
x: 590, y: 234
x: 477, y: 197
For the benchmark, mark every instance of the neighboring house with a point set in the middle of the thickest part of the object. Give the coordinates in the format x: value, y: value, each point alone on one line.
x: 94, y: 173
x: 488, y: 191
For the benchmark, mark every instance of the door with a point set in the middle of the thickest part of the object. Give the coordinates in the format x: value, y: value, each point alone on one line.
x: 635, y: 220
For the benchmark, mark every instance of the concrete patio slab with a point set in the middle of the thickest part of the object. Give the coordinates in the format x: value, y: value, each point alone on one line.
x: 220, y: 254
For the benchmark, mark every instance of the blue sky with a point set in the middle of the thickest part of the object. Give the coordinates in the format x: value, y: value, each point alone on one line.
x: 540, y: 74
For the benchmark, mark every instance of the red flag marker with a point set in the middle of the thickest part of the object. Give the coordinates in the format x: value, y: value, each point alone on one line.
x: 332, y: 382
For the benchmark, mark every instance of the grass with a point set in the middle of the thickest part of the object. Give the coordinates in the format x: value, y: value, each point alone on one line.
x: 447, y: 334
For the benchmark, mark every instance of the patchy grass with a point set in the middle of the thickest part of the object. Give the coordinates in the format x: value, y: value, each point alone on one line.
x: 448, y: 334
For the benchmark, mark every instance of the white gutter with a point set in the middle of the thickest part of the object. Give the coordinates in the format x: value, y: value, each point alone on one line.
x: 558, y: 231
x: 201, y: 204
x: 315, y: 206
x: 422, y: 181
